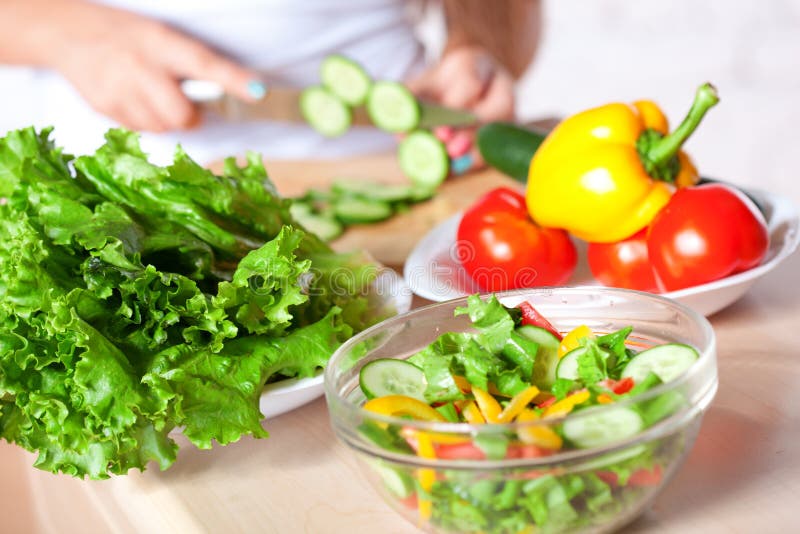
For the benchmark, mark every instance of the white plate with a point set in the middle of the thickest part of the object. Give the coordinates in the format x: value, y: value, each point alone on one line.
x: 286, y: 395
x: 433, y: 272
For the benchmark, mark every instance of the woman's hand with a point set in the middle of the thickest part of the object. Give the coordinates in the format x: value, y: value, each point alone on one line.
x: 129, y: 67
x: 467, y: 77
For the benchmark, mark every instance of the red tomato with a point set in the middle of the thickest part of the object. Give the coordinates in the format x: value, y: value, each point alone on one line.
x: 645, y: 477
x: 531, y: 316
x: 618, y: 386
x: 623, y: 264
x: 706, y: 233
x: 501, y: 248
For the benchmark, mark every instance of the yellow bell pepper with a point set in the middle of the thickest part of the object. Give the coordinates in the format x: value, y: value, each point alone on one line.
x: 517, y: 403
x: 604, y: 173
x: 541, y: 436
x: 490, y: 408
x: 565, y: 405
x: 573, y: 339
x: 399, y: 405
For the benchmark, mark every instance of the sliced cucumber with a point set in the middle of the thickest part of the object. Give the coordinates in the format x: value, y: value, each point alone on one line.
x: 346, y: 79
x: 614, y: 458
x: 423, y: 158
x: 605, y: 426
x: 357, y: 211
x: 398, y: 483
x: 546, y: 364
x: 326, y: 228
x: 568, y: 365
x: 667, y: 361
x: 389, y: 376
x: 392, y: 107
x: 375, y: 191
x: 325, y: 111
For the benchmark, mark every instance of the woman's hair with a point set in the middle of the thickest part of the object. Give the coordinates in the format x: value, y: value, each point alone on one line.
x: 508, y: 29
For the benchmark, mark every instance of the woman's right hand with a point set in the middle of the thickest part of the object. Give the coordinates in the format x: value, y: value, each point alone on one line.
x: 129, y: 67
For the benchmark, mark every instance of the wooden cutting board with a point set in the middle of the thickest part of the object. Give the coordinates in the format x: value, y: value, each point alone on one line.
x: 392, y: 240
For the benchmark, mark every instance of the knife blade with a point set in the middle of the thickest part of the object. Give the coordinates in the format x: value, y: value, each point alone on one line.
x: 282, y: 104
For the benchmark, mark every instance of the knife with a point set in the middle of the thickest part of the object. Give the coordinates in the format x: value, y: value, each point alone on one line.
x: 282, y: 104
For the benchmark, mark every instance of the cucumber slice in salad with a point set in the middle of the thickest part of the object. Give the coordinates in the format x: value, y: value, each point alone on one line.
x: 400, y: 484
x: 388, y: 376
x: 667, y: 361
x: 423, y: 158
x: 346, y: 79
x: 392, y: 107
x: 325, y: 111
x: 546, y: 363
x: 568, y: 365
x: 612, y: 423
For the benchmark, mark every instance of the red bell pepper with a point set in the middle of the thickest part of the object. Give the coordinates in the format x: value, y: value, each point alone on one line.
x: 706, y: 233
x: 531, y: 316
x: 501, y: 248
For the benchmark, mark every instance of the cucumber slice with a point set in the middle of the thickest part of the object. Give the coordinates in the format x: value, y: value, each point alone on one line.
x: 356, y: 210
x: 667, y: 361
x: 546, y: 364
x: 375, y: 191
x: 326, y: 228
x: 607, y: 425
x: 392, y: 107
x: 614, y: 458
x: 388, y: 376
x: 325, y: 111
x: 346, y: 79
x: 568, y: 364
x: 423, y: 158
x: 398, y: 483
x: 508, y: 148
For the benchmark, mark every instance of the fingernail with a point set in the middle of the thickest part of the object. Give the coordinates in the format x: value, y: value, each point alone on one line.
x: 256, y: 89
x: 444, y: 133
x: 462, y: 164
x: 459, y: 144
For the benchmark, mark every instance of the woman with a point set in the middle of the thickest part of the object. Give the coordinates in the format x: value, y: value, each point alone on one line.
x: 120, y: 62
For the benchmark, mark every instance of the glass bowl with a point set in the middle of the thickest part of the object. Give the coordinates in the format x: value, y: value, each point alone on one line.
x: 498, y: 478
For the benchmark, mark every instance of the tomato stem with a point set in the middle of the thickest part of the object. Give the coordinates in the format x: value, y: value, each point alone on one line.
x: 663, y: 150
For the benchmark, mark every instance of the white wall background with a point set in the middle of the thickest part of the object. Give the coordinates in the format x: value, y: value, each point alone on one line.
x: 598, y: 51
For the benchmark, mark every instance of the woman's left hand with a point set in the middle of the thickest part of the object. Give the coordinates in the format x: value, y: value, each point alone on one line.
x: 468, y: 78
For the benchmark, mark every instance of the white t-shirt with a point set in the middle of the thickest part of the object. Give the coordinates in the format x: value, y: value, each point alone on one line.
x: 283, y: 39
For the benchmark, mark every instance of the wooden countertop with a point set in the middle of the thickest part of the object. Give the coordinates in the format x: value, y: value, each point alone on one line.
x: 743, y: 474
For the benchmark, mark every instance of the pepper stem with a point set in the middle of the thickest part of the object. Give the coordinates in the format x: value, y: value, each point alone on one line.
x: 665, y: 148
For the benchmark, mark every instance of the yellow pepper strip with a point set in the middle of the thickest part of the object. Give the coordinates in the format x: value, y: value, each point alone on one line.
x: 472, y: 414
x: 426, y: 476
x: 573, y: 339
x: 436, y: 437
x: 490, y: 408
x: 604, y: 173
x: 565, y: 405
x: 462, y: 383
x: 402, y: 405
x: 541, y: 436
x: 604, y: 399
x: 517, y: 404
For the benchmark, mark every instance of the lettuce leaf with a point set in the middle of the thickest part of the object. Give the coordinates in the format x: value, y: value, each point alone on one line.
x: 136, y: 299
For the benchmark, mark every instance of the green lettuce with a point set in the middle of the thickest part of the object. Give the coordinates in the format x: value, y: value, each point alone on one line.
x: 137, y: 299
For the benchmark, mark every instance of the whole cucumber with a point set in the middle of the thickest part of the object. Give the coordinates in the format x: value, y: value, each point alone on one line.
x: 508, y: 148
